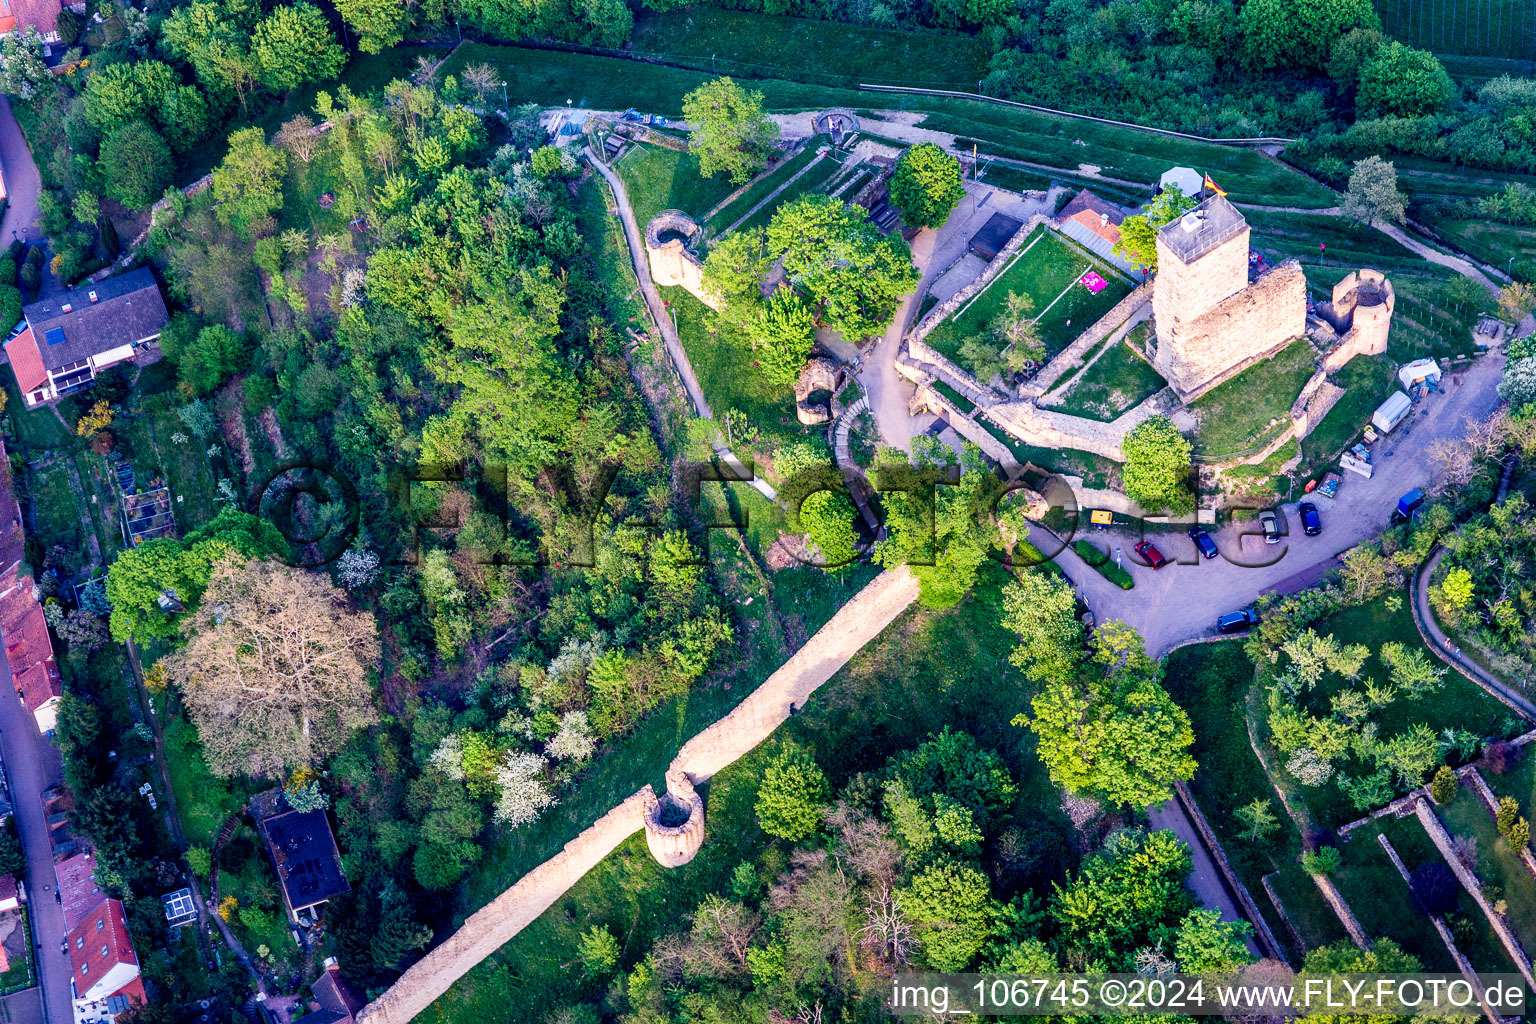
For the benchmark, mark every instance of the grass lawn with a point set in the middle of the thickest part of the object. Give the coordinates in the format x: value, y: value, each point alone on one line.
x: 1046, y: 268
x: 146, y: 440
x: 1497, y: 863
x: 1519, y: 782
x: 753, y: 44
x: 725, y: 370
x: 1457, y: 704
x: 202, y: 800
x: 304, y: 184
x: 1310, y: 914
x: 609, y: 253
x: 1378, y: 895
x: 35, y: 428
x: 928, y: 669
x: 811, y: 181
x: 758, y: 191
x: 1282, y: 236
x: 1118, y: 380
x: 57, y: 508
x: 1367, y: 380
x: 1240, y: 414
x: 1131, y: 154
x: 658, y: 178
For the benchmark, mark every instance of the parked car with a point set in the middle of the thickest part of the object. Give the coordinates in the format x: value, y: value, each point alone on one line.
x: 1237, y: 622
x: 1311, y: 522
x: 1203, y: 542
x: 1153, y: 556
x: 1271, y: 524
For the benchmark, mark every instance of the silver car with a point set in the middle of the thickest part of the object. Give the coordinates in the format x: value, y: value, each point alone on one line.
x: 1271, y: 524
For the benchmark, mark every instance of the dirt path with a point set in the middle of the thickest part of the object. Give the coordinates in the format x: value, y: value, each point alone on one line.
x: 1462, y: 266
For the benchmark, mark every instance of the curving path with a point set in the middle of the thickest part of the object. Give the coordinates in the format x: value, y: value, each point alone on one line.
x: 1449, y: 652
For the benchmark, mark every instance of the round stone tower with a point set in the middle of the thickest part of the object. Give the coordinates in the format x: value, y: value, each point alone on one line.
x: 674, y: 822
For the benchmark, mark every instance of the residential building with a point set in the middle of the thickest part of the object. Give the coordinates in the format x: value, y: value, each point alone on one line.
x: 104, y: 970
x: 20, y: 15
x: 29, y: 649
x: 335, y: 1001
x: 71, y: 337
x: 10, y: 896
x: 306, y: 859
x: 79, y: 892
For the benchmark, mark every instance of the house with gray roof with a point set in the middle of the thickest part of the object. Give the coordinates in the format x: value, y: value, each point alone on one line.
x: 67, y: 339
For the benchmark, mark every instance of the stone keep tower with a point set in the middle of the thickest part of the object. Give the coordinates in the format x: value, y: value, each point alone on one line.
x: 1211, y: 322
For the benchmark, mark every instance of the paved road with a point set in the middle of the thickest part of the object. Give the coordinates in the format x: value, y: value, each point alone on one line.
x: 1447, y: 648
x: 1204, y: 879
x: 22, y: 181
x: 32, y: 764
x: 1181, y: 601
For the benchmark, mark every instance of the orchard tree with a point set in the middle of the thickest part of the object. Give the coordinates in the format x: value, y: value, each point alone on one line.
x: 926, y: 186
x: 792, y: 795
x: 729, y: 132
x: 1121, y: 736
x: 1400, y: 81
x: 1373, y: 193
x: 1518, y: 384
x: 275, y: 669
x: 22, y: 70
x: 135, y: 165
x: 294, y: 45
x: 1516, y: 301
x: 1138, y: 232
x: 1157, y: 465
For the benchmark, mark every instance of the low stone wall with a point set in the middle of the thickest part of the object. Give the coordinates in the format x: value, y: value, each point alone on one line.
x: 1314, y: 402
x: 1261, y: 933
x: 1474, y: 887
x: 1341, y: 910
x: 1480, y: 785
x: 1072, y: 356
x: 938, y: 314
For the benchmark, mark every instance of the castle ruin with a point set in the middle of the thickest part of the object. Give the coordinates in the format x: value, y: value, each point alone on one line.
x: 1212, y: 321
x: 670, y: 239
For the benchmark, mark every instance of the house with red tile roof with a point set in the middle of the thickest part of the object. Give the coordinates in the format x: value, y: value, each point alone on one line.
x: 104, y: 970
x: 335, y: 1001
x: 71, y: 337
x: 20, y: 15
x: 1095, y: 225
x: 29, y: 649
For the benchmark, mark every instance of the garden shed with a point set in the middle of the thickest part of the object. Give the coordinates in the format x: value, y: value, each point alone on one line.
x: 994, y: 235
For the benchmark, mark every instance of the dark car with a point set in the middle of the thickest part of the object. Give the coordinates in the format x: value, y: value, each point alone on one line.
x: 1311, y: 522
x: 1203, y: 541
x: 1271, y: 524
x: 1153, y: 556
x: 1236, y: 622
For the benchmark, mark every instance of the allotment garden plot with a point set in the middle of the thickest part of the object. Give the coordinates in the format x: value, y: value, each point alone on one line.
x: 1069, y: 288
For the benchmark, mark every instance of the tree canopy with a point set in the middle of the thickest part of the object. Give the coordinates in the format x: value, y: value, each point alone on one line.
x: 1157, y: 466
x: 728, y: 130
x: 926, y: 185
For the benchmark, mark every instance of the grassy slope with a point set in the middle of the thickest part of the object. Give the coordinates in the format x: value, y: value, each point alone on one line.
x: 811, y: 181
x: 755, y: 44
x: 1478, y: 28
x: 1367, y: 381
x: 1117, y: 381
x: 659, y: 179
x: 1238, y: 414
x: 760, y: 190
x: 611, y: 83
x: 1497, y: 863
x: 927, y: 668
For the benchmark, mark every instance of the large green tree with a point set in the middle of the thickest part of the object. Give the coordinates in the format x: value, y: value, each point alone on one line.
x: 1114, y: 731
x: 135, y: 164
x: 1400, y: 81
x: 1373, y: 193
x: 1041, y: 607
x: 942, y: 531
x: 854, y: 276
x: 294, y: 45
x: 248, y: 184
x: 1157, y: 466
x: 379, y: 24
x: 926, y: 186
x: 792, y: 795
x: 1299, y: 34
x: 728, y: 130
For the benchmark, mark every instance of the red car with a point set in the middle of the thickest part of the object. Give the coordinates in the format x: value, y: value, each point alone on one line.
x: 1153, y: 556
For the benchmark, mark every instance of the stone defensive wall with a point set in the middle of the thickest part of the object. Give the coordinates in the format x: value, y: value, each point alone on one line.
x: 670, y: 238
x: 1218, y: 344
x: 673, y: 822
x: 1071, y: 357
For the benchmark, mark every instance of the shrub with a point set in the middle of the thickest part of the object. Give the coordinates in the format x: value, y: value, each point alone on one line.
x: 1505, y: 816
x: 1091, y: 554
x: 1322, y: 861
x: 1501, y: 756
x: 1442, y: 789
x: 1519, y: 835
x: 1435, y: 888
x: 792, y: 795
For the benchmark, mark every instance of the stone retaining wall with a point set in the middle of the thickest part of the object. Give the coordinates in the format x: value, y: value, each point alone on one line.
x: 753, y: 721
x: 1474, y: 887
x: 1072, y: 356
x: 1261, y: 933
x: 1341, y: 910
x: 943, y: 310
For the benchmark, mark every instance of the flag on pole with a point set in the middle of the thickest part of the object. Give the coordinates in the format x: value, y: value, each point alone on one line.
x: 1213, y: 186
